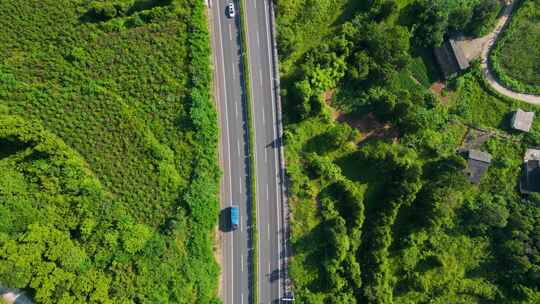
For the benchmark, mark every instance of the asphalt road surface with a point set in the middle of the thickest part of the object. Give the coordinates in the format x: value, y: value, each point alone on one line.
x: 230, y: 99
x: 266, y: 150
x: 234, y: 154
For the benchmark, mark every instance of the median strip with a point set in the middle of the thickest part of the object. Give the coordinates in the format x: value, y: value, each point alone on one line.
x: 251, y: 145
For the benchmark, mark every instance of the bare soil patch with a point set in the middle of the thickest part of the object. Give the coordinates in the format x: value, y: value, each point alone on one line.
x: 370, y: 127
x: 438, y: 88
x: 475, y: 139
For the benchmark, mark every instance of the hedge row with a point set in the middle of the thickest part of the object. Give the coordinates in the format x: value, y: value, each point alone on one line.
x: 251, y: 143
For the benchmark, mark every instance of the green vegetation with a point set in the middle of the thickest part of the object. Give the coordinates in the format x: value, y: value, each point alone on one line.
x: 252, y: 168
x: 129, y: 216
x: 435, y: 19
x: 515, y: 60
x: 382, y: 210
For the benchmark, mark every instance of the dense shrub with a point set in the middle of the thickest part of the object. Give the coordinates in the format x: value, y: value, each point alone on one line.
x: 422, y: 232
x: 132, y: 95
x: 434, y: 20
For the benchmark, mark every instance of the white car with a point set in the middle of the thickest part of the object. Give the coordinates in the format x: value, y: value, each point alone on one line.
x: 230, y: 10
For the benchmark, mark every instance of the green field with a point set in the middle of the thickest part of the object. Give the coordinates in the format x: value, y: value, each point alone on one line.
x: 123, y: 86
x: 392, y: 218
x: 516, y: 57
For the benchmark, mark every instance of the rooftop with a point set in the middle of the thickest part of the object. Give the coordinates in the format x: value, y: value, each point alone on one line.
x: 477, y: 165
x: 531, y: 153
x: 459, y: 54
x: 451, y: 58
x: 479, y: 156
x: 522, y: 120
x: 530, y: 179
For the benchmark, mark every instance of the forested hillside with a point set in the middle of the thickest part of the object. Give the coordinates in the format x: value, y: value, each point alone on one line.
x: 108, y: 143
x: 382, y: 210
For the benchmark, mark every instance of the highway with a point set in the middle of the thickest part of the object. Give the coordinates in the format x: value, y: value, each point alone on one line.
x: 230, y: 100
x: 268, y: 156
x: 267, y: 144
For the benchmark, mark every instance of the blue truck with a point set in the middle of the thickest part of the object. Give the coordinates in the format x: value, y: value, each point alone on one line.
x: 234, y: 217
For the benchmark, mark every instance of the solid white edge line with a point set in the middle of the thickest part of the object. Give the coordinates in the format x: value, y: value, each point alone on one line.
x: 278, y: 197
x: 229, y: 145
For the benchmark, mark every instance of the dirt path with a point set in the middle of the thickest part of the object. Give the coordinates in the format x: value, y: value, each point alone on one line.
x: 491, y: 38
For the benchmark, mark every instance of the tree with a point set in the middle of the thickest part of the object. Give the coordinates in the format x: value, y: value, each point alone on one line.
x: 484, y: 14
x: 382, y: 9
x: 339, y: 134
x: 302, y: 93
x: 103, y: 10
x: 359, y: 67
x: 383, y: 101
x: 432, y: 22
x: 459, y: 19
x: 323, y: 167
x: 388, y: 44
x: 487, y: 212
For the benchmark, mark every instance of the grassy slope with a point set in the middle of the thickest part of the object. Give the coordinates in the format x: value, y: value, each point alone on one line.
x: 117, y: 92
x: 303, y: 18
x: 116, y: 97
x: 517, y: 55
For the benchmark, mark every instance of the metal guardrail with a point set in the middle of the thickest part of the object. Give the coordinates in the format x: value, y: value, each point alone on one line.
x: 254, y: 252
x: 285, y: 216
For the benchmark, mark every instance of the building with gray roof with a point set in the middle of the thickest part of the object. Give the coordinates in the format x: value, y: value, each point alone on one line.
x: 477, y: 164
x: 530, y: 177
x: 522, y: 121
x: 451, y: 58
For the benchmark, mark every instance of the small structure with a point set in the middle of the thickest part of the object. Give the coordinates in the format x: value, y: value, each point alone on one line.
x: 522, y: 120
x: 477, y: 164
x: 451, y: 58
x: 530, y: 179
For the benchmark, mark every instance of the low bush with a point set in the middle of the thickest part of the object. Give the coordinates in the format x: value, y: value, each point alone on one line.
x: 132, y: 96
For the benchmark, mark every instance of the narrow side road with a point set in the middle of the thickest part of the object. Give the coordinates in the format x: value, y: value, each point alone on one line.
x: 490, y: 77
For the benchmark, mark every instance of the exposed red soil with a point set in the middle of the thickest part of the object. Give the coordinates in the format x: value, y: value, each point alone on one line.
x: 437, y: 88
x: 370, y: 127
